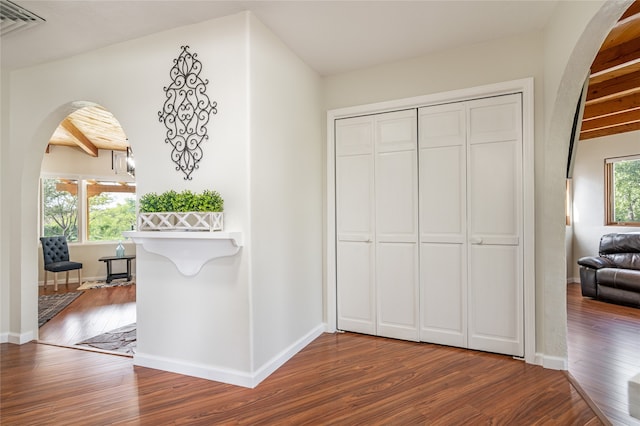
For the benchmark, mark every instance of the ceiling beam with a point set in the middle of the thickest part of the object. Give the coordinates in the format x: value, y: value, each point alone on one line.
x: 610, y: 131
x: 611, y: 120
x: 616, y: 56
x: 626, y: 29
x: 612, y: 106
x: 634, y: 9
x: 83, y: 142
x: 615, y: 87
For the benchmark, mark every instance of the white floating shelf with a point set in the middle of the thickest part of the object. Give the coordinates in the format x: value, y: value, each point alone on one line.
x: 189, y: 251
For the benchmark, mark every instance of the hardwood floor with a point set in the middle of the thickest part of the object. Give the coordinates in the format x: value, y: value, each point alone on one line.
x: 604, y: 351
x: 95, y: 312
x: 337, y: 379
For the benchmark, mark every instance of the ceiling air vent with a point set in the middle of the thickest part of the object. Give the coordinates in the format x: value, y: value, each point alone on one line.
x: 15, y: 18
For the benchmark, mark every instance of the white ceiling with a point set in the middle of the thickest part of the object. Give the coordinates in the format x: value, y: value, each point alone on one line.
x: 331, y: 36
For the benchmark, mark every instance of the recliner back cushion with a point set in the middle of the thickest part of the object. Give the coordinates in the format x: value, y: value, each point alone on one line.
x: 622, y: 249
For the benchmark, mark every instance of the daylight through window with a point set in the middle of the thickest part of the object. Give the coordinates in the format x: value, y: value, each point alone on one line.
x: 622, y: 176
x: 103, y: 210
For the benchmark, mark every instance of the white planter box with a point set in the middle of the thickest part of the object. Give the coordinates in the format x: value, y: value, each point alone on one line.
x: 187, y: 221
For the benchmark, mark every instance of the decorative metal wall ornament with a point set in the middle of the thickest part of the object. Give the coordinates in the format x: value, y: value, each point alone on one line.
x: 186, y: 112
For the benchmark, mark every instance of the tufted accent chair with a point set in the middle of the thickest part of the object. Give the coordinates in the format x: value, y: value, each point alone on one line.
x: 56, y: 259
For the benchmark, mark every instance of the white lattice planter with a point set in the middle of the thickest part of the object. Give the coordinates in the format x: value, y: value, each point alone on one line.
x: 174, y: 221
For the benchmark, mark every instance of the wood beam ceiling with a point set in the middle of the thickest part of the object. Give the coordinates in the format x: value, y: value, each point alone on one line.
x: 90, y: 128
x: 81, y: 140
x: 613, y: 95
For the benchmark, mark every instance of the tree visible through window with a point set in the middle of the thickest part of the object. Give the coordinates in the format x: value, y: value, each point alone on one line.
x: 60, y: 208
x: 623, y: 191
x: 112, y: 210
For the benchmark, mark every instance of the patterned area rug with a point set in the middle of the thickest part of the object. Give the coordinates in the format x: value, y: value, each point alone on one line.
x: 88, y: 285
x: 51, y: 305
x: 121, y: 339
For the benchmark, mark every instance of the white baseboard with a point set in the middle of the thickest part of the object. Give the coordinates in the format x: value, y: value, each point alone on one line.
x: 74, y: 280
x: 573, y: 280
x: 551, y: 362
x: 20, y: 338
x: 226, y: 375
x: 4, y: 337
x: 277, y: 361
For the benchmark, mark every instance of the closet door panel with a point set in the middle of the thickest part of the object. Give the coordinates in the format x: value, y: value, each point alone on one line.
x: 495, y: 225
x: 356, y: 294
x: 443, y: 294
x: 396, y: 196
x: 442, y: 194
x: 495, y: 301
x: 494, y: 192
x: 396, y: 225
x: 355, y: 249
x: 354, y: 195
x: 443, y: 266
x: 397, y: 284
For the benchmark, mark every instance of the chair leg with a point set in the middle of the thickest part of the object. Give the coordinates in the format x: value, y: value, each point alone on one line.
x: 55, y: 281
x: 44, y: 285
x: 67, y: 281
x: 79, y: 277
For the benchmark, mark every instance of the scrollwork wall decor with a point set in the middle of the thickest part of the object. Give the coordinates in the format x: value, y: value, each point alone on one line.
x: 186, y: 112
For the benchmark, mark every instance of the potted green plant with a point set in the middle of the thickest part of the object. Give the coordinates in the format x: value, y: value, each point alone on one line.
x: 185, y: 211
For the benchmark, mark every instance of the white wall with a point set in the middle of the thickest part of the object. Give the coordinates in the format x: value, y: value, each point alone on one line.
x: 227, y: 322
x: 286, y: 196
x: 588, y: 193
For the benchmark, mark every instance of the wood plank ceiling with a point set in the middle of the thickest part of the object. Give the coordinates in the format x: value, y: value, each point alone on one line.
x: 90, y: 129
x: 613, y: 97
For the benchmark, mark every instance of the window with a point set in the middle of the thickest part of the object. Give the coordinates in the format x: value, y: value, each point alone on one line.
x: 622, y: 186
x: 111, y: 210
x: 87, y: 209
x: 60, y: 208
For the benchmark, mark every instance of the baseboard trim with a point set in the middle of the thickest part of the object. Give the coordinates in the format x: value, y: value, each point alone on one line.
x: 226, y: 375
x: 4, y: 337
x: 72, y: 280
x: 20, y: 338
x: 551, y: 362
x: 573, y: 280
x: 276, y: 362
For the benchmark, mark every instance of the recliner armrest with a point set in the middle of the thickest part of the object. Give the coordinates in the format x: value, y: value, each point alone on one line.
x: 596, y: 262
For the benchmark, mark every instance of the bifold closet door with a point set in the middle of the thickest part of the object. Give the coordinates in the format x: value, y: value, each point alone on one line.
x: 495, y: 225
x: 443, y: 237
x: 377, y: 224
x: 396, y: 219
x: 471, y: 214
x: 355, y: 249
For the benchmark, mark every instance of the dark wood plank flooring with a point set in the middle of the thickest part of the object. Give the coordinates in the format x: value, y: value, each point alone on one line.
x: 95, y: 312
x: 341, y: 379
x: 604, y: 351
x: 338, y: 379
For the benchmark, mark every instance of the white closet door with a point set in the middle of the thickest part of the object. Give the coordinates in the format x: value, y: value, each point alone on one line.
x: 396, y: 213
x: 494, y: 129
x: 443, y: 263
x: 355, y: 225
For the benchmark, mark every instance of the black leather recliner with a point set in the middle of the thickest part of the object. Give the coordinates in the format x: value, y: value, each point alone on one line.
x: 614, y: 275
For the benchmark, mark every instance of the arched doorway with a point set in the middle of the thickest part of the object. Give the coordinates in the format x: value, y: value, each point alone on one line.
x: 87, y: 193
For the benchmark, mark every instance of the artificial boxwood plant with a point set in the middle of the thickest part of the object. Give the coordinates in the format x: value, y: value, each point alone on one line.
x: 185, y: 201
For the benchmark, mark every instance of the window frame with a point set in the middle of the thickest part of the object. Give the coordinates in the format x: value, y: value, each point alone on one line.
x: 83, y: 203
x: 609, y: 202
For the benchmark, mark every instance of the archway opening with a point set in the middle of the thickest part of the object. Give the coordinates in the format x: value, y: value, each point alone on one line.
x: 87, y: 194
